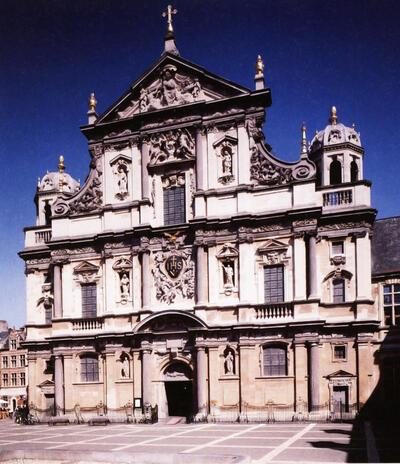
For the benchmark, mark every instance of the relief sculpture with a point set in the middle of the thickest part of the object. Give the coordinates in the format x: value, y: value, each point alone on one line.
x: 170, y: 146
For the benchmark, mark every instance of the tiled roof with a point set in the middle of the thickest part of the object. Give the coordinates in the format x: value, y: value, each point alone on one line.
x: 386, y: 246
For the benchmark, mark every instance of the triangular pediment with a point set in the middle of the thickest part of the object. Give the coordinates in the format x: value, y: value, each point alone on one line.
x: 273, y: 245
x: 340, y: 373
x: 85, y: 267
x: 46, y: 383
x: 172, y: 81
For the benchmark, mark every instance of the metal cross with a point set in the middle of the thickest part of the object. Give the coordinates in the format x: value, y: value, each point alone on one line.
x: 168, y: 14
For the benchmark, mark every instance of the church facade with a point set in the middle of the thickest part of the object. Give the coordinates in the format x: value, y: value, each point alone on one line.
x: 194, y: 270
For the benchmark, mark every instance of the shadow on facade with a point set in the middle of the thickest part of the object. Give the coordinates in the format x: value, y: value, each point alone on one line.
x: 375, y: 435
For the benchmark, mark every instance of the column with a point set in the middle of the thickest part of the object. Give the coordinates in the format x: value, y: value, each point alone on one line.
x: 247, y: 376
x: 202, y: 393
x: 201, y: 275
x: 314, y: 375
x: 299, y: 272
x: 145, y: 172
x: 200, y: 160
x: 313, y: 270
x: 59, y: 384
x: 146, y: 376
x: 363, y: 264
x: 300, y: 375
x: 243, y: 155
x: 110, y: 377
x: 145, y: 279
x: 57, y: 291
x: 365, y: 367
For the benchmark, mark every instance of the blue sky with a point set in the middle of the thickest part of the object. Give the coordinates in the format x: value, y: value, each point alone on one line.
x: 53, y: 53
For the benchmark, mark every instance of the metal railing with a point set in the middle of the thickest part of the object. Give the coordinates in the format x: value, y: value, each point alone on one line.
x: 338, y: 198
x: 274, y: 311
x: 88, y: 324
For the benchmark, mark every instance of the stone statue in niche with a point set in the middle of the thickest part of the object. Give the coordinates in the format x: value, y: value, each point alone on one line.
x: 228, y: 274
x: 121, y: 177
x: 125, y: 374
x: 229, y: 362
x: 124, y: 287
x: 226, y: 156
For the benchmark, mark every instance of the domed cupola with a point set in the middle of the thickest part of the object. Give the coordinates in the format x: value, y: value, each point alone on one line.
x: 49, y: 187
x: 337, y: 152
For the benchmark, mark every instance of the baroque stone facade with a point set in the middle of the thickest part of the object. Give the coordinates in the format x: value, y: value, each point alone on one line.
x: 197, y: 272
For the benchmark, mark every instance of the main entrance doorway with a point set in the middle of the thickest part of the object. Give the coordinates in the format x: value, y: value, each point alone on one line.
x: 179, y: 389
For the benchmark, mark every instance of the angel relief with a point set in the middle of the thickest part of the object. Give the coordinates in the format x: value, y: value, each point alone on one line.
x: 169, y: 89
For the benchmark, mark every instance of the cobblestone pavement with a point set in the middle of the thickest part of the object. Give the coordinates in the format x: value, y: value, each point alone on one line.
x: 278, y: 443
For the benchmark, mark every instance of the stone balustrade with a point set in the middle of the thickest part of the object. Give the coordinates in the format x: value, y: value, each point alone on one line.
x: 274, y: 311
x: 338, y: 198
x: 88, y: 324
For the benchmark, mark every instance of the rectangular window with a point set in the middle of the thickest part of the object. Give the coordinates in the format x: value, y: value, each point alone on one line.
x: 22, y: 379
x: 13, y: 361
x: 274, y: 361
x: 5, y: 362
x: 338, y: 291
x: 339, y: 352
x: 22, y: 360
x: 5, y: 380
x: 14, y: 379
x: 273, y: 284
x: 174, y: 205
x: 89, y: 300
x: 89, y: 369
x: 391, y: 304
x: 337, y: 248
x: 13, y: 344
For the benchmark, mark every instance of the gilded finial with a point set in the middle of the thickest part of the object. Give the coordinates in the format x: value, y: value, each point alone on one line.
x: 92, y: 102
x: 61, y: 165
x: 168, y: 14
x: 259, y: 66
x: 333, y: 118
x: 303, y: 141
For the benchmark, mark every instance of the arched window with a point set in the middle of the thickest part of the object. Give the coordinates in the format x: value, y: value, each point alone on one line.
x: 338, y: 291
x: 353, y: 171
x: 335, y: 172
x: 274, y: 360
x: 89, y: 368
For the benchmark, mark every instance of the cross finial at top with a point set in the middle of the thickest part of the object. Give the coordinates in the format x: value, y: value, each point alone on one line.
x: 168, y: 14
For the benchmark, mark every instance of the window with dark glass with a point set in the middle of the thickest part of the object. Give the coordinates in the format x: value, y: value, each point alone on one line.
x: 339, y: 352
x: 22, y: 360
x: 174, y: 205
x: 274, y: 361
x: 89, y: 300
x: 5, y: 380
x: 89, y: 369
x: 5, y: 362
x: 391, y: 304
x: 337, y: 248
x: 338, y: 291
x: 22, y: 378
x: 13, y: 361
x: 13, y: 344
x: 273, y: 284
x: 14, y: 379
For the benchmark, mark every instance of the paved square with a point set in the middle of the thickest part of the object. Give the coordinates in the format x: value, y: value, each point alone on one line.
x: 263, y: 443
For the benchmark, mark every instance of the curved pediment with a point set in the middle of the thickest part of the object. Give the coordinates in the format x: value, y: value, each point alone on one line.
x: 169, y: 321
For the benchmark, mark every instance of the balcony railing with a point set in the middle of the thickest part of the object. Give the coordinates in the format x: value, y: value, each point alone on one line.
x: 88, y: 324
x: 338, y: 198
x: 43, y: 236
x: 274, y: 311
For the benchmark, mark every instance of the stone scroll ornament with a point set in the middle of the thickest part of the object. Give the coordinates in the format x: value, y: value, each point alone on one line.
x: 171, y: 146
x: 90, y: 196
x: 267, y: 170
x: 173, y: 275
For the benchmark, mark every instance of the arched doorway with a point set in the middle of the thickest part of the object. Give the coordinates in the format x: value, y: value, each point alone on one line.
x: 179, y: 389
